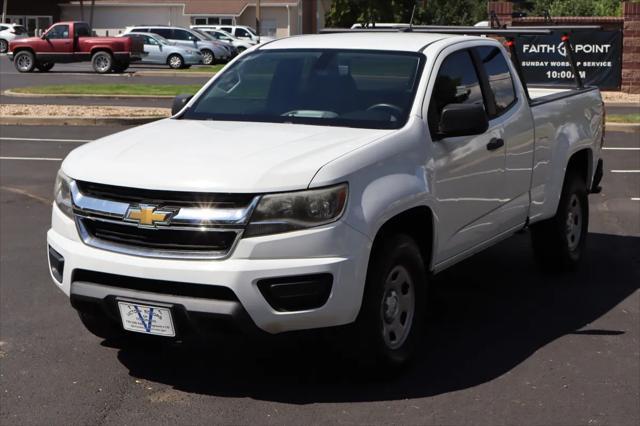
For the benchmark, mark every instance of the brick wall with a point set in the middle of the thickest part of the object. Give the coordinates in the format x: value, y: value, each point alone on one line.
x: 631, y: 47
x: 629, y: 23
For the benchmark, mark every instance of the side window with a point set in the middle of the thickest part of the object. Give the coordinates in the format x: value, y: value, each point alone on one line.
x: 227, y: 29
x: 164, y: 32
x: 183, y: 35
x: 82, y: 30
x: 150, y: 40
x: 456, y: 83
x: 2, y: 28
x: 242, y: 33
x: 59, y: 32
x: 500, y: 79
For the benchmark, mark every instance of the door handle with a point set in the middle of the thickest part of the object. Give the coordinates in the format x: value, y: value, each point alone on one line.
x: 494, y: 144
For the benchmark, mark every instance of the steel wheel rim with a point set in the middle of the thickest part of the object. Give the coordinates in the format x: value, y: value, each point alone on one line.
x: 574, y: 223
x: 102, y: 63
x: 175, y: 62
x: 207, y: 58
x: 397, y: 307
x: 24, y: 62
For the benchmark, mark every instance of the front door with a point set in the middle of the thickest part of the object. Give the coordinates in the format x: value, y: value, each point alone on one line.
x: 468, y: 171
x: 58, y: 44
x: 154, y: 50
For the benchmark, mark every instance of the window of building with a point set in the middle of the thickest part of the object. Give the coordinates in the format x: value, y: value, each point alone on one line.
x: 211, y: 20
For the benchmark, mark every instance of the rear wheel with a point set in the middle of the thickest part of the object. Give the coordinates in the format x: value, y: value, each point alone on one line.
x: 389, y: 326
x: 559, y: 242
x: 24, y: 61
x: 45, y: 67
x: 102, y: 62
x: 208, y: 57
x: 175, y: 61
x: 4, y: 46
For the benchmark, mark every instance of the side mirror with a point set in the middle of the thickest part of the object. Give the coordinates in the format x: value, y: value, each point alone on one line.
x: 179, y: 102
x: 44, y: 36
x: 195, y: 43
x: 463, y: 120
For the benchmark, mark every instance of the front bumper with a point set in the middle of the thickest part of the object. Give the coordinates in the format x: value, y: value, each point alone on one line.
x: 335, y: 249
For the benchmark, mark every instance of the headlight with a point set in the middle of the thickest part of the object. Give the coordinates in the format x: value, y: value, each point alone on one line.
x: 297, y: 210
x: 62, y: 194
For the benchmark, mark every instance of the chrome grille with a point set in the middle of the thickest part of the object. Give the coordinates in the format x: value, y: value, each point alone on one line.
x: 198, y: 225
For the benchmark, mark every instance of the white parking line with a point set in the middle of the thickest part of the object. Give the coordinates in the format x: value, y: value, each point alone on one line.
x: 635, y: 198
x: 45, y: 140
x: 620, y: 148
x: 625, y: 171
x: 31, y: 158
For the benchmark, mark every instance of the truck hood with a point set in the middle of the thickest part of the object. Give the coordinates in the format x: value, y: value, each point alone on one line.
x: 214, y: 156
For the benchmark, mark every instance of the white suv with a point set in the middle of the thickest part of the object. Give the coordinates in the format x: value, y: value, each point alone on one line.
x: 239, y: 31
x: 9, y: 32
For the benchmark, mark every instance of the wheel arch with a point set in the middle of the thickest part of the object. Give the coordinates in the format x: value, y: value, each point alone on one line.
x: 97, y: 49
x: 416, y: 222
x: 581, y: 162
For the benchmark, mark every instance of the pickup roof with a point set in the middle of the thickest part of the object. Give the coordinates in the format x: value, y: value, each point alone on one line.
x: 319, y: 181
x: 66, y: 42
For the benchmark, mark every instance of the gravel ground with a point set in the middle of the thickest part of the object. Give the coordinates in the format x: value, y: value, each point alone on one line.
x: 81, y: 111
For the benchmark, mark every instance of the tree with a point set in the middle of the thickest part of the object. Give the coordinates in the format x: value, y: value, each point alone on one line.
x: 577, y: 7
x: 345, y: 13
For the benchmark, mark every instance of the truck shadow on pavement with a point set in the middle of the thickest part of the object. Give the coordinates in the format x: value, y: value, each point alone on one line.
x: 486, y: 316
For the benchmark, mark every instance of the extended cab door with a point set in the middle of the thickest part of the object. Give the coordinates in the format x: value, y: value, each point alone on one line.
x: 512, y: 123
x: 468, y: 171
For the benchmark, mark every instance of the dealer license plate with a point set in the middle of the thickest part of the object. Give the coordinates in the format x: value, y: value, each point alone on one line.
x: 146, y: 319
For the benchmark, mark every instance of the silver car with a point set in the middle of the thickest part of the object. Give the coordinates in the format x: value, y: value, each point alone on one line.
x: 211, y: 50
x: 159, y: 50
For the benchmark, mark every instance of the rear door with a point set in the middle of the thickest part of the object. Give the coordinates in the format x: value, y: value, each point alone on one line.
x: 468, y: 171
x: 154, y: 50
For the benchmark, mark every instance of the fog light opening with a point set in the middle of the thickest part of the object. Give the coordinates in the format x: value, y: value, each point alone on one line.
x: 56, y: 264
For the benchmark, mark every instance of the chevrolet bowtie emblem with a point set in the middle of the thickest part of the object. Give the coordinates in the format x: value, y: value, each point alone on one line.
x: 147, y: 215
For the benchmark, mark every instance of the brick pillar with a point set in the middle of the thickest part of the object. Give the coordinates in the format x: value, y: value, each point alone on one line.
x: 631, y: 47
x: 503, y: 9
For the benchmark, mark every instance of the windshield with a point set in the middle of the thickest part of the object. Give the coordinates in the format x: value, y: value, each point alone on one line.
x: 204, y: 34
x: 369, y: 89
x: 252, y: 31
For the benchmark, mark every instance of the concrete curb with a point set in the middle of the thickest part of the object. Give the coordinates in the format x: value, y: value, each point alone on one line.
x: 174, y: 74
x: 11, y: 93
x: 6, y: 120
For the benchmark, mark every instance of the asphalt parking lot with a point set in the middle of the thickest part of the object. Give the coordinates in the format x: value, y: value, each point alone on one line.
x: 505, y: 343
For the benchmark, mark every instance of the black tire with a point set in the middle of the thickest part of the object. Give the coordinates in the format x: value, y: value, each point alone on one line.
x: 386, y: 299
x: 4, y: 46
x: 120, y: 67
x: 559, y: 242
x: 175, y: 61
x: 208, y: 58
x: 24, y: 61
x: 102, y: 62
x: 45, y: 67
x: 100, y: 327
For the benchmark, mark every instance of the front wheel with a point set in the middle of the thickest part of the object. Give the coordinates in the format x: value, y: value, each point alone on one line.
x: 389, y: 326
x: 45, y: 67
x: 102, y: 62
x: 24, y: 61
x: 207, y: 57
x: 175, y: 61
x: 559, y: 242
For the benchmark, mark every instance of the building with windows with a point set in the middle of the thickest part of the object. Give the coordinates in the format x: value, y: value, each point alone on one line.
x: 280, y: 18
x: 35, y: 15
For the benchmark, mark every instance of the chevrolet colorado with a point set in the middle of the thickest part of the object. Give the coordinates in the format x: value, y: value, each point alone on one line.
x: 319, y: 181
x: 66, y: 42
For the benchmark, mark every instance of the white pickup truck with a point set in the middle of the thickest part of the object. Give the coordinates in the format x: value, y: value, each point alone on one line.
x: 319, y: 181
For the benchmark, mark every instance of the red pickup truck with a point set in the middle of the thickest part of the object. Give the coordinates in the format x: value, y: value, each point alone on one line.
x: 72, y: 42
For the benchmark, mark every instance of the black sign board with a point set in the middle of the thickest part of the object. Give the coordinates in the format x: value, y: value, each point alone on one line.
x: 598, y: 55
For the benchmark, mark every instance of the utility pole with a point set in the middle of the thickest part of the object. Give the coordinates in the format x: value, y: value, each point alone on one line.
x: 258, y: 18
x: 93, y: 4
x: 82, y: 10
x: 4, y: 10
